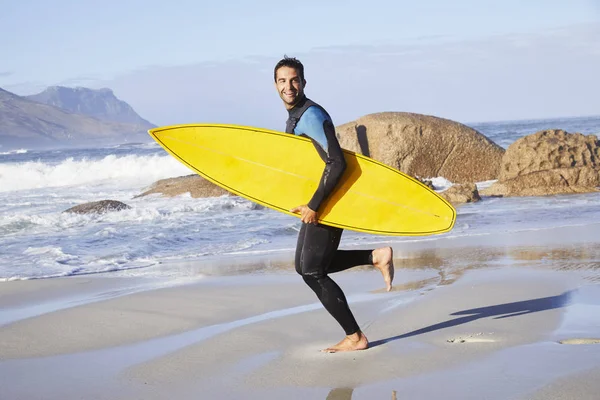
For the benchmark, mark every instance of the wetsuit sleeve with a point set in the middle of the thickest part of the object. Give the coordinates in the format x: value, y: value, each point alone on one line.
x: 317, y: 125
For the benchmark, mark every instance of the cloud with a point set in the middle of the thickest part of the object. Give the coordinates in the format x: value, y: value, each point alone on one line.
x: 84, y: 80
x: 514, y: 76
x: 6, y: 73
x: 228, y: 92
x: 25, y: 88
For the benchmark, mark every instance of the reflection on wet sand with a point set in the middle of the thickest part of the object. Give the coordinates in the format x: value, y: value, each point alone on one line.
x: 585, y: 257
x: 346, y: 394
x: 450, y: 263
x: 340, y: 394
x: 591, y: 253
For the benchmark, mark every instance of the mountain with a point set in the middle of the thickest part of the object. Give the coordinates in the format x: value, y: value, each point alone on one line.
x: 28, y: 123
x: 101, y: 104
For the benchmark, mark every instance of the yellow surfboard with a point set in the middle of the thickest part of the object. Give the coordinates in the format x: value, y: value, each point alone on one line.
x: 282, y: 171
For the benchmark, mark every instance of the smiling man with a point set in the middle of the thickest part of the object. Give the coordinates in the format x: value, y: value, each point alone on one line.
x: 317, y: 253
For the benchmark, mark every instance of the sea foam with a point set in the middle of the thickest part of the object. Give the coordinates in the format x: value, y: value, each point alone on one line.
x: 118, y: 170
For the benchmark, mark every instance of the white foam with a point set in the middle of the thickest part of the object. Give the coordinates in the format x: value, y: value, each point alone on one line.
x: 149, y: 145
x: 152, y: 210
x: 485, y: 184
x: 52, y: 262
x: 18, y: 151
x: 55, y: 252
x: 119, y: 171
x: 440, y: 183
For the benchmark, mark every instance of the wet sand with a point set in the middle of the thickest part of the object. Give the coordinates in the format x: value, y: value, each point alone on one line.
x: 502, y: 321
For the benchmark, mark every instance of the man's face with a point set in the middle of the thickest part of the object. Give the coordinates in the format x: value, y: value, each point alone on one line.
x: 289, y: 85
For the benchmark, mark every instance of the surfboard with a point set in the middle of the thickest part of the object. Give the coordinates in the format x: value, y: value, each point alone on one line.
x: 282, y: 171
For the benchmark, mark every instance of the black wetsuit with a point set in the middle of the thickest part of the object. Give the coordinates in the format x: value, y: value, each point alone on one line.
x: 317, y: 253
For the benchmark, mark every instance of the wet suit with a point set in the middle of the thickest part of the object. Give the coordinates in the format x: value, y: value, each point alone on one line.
x: 317, y: 253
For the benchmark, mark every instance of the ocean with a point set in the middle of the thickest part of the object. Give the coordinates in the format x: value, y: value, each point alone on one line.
x: 38, y: 240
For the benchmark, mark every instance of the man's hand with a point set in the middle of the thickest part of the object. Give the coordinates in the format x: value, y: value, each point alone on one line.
x: 306, y: 214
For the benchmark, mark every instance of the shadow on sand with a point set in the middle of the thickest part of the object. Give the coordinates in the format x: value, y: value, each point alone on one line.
x: 499, y: 311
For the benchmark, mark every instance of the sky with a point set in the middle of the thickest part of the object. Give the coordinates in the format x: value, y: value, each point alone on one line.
x: 197, y: 61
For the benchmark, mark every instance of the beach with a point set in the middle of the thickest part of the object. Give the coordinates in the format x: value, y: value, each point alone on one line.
x: 198, y: 298
x: 515, y: 319
x: 159, y: 182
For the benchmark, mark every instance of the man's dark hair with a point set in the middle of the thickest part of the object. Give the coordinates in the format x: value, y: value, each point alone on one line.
x: 290, y: 62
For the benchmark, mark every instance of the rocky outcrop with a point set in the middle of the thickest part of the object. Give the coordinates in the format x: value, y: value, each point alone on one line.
x: 425, y: 146
x: 426, y: 182
x: 461, y: 193
x: 98, y: 207
x: 549, y: 162
x: 30, y: 124
x: 195, y: 185
x: 98, y: 103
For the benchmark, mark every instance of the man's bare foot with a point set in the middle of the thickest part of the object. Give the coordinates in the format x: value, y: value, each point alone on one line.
x: 356, y: 341
x: 383, y: 260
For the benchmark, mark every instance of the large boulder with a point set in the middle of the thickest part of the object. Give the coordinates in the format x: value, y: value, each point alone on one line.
x: 98, y: 207
x: 194, y: 184
x: 549, y: 162
x: 424, y: 146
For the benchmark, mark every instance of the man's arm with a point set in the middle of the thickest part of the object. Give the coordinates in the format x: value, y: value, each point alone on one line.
x: 335, y: 165
x: 318, y: 127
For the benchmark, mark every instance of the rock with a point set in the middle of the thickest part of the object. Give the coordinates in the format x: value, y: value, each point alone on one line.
x: 193, y: 184
x: 547, y: 150
x: 426, y: 182
x: 98, y: 207
x: 421, y: 145
x: 542, y: 183
x: 549, y: 162
x: 98, y: 103
x: 31, y: 124
x: 461, y: 193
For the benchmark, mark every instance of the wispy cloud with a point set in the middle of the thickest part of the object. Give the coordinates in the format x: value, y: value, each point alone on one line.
x: 6, y: 73
x: 25, y: 88
x: 549, y: 74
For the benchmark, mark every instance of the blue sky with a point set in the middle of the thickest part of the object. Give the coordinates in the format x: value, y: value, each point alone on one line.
x: 197, y: 61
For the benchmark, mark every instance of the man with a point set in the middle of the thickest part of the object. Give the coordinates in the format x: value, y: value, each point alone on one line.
x: 317, y: 253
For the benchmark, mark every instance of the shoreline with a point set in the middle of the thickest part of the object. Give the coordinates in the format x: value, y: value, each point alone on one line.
x: 493, y: 313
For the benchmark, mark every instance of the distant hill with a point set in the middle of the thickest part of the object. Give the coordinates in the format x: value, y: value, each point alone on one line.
x: 33, y: 124
x: 101, y: 104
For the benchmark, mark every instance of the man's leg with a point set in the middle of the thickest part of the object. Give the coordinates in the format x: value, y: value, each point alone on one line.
x: 381, y: 258
x: 317, y: 246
